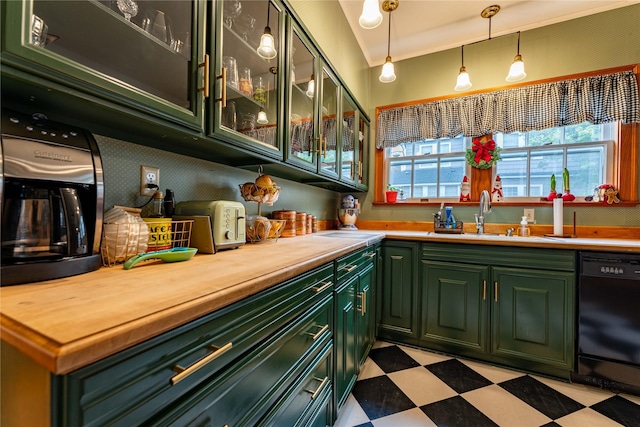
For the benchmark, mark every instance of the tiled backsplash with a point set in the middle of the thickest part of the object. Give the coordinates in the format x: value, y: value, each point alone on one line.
x: 195, y: 179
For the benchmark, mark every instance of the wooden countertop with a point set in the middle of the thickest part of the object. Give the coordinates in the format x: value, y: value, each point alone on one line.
x: 68, y: 323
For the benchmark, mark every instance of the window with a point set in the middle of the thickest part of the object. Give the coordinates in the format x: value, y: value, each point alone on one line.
x: 434, y: 168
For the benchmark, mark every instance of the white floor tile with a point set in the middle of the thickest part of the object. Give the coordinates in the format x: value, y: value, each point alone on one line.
x: 581, y: 393
x: 369, y: 370
x: 421, y: 386
x: 503, y: 408
x: 411, y: 418
x: 586, y: 417
x: 351, y: 414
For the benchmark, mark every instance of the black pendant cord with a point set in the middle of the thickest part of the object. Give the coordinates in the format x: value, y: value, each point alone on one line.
x: 268, y: 10
x: 389, y: 37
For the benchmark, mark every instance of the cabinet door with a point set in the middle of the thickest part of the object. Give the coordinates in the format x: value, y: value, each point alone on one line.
x: 398, y: 294
x: 330, y: 138
x: 302, y: 92
x: 362, y: 153
x: 143, y: 54
x: 246, y: 111
x: 533, y: 315
x: 364, y: 300
x: 349, y: 153
x: 344, y: 340
x: 454, y: 306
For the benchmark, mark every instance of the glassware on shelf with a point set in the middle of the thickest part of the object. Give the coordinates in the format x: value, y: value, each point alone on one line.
x: 259, y: 90
x: 245, y: 24
x: 39, y: 31
x: 245, y: 83
x: 229, y: 62
x: 248, y: 122
x: 158, y: 24
x: 129, y: 8
x: 232, y: 9
x: 229, y: 116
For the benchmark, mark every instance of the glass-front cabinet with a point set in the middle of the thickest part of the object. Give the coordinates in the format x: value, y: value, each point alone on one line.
x: 246, y: 108
x: 362, y: 145
x: 349, y: 159
x: 144, y: 54
x: 329, y: 133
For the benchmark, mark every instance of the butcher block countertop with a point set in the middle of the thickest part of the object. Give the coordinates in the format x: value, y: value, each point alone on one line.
x: 68, y: 323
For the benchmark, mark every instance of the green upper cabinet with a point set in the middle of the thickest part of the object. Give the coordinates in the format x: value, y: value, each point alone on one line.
x: 246, y: 78
x: 362, y: 153
x: 144, y: 55
x: 329, y: 132
x: 355, y: 144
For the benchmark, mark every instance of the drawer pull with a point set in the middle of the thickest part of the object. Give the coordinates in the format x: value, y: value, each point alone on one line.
x: 205, y: 88
x: 370, y: 255
x: 320, y: 332
x: 324, y: 286
x: 314, y: 393
x: 363, y: 302
x: 484, y: 290
x: 183, y: 373
x: 495, y: 291
x: 350, y: 268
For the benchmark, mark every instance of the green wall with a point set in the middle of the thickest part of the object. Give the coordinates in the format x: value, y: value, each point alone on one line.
x: 600, y: 41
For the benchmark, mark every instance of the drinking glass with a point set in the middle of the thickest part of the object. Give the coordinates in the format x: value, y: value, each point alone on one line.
x: 129, y: 8
x: 229, y: 62
x: 245, y: 24
x: 232, y: 8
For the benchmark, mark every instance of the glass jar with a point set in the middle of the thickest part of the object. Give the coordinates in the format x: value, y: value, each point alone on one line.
x: 259, y: 90
x: 248, y: 122
x: 244, y: 82
x: 229, y: 62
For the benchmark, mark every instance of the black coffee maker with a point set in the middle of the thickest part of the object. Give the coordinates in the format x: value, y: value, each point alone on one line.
x: 52, y: 192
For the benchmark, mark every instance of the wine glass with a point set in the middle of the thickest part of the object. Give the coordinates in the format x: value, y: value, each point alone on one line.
x: 232, y: 9
x: 129, y: 8
x: 245, y: 24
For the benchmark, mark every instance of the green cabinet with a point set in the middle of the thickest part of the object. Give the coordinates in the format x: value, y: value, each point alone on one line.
x: 398, y: 304
x: 513, y: 306
x: 355, y: 276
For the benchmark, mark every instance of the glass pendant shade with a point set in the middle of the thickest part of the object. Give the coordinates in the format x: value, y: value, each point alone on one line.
x: 262, y: 117
x: 388, y: 73
x: 463, y: 82
x: 371, y: 16
x: 266, y: 49
x: 516, y: 72
x: 311, y: 88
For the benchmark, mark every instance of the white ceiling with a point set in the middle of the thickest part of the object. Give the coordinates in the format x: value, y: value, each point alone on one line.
x: 419, y: 27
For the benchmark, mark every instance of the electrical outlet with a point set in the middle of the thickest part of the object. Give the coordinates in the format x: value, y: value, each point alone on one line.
x: 149, y: 180
x: 529, y: 213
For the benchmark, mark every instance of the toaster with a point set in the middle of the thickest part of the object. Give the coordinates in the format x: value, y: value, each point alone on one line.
x: 227, y: 220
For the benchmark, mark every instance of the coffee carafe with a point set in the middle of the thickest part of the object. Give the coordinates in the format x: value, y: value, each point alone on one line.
x: 52, y: 195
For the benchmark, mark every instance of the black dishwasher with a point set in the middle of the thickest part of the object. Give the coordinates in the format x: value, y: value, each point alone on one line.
x: 609, y: 320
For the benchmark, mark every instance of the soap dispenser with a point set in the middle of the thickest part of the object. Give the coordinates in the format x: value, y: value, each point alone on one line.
x: 523, y: 231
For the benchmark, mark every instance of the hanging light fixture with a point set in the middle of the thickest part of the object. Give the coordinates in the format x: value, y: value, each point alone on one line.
x: 311, y: 87
x: 262, y: 117
x: 388, y: 73
x: 516, y: 71
x: 463, y: 82
x: 371, y: 16
x: 267, y: 49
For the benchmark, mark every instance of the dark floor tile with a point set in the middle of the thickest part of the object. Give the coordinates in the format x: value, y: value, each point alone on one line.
x: 620, y: 410
x: 365, y: 425
x: 542, y: 397
x: 551, y: 424
x: 392, y: 358
x: 456, y: 412
x: 458, y: 376
x: 380, y: 397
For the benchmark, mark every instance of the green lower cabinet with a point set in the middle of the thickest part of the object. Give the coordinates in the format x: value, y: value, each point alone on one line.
x: 345, y: 340
x: 365, y: 334
x: 532, y: 317
x: 398, y: 313
x: 454, y: 314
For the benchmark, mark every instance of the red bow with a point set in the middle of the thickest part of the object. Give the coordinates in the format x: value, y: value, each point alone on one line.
x: 483, y: 150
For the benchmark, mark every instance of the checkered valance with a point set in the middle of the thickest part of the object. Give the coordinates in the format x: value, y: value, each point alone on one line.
x: 598, y: 99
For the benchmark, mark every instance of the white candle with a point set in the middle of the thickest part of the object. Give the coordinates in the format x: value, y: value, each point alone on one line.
x: 557, y: 217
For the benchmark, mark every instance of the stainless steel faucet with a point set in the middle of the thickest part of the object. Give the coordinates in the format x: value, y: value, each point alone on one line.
x: 485, y: 207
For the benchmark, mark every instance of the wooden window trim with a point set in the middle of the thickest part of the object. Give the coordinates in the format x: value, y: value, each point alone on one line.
x: 625, y: 156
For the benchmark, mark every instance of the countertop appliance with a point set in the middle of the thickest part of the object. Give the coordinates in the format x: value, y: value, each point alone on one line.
x: 51, y: 195
x: 227, y: 220
x: 609, y: 320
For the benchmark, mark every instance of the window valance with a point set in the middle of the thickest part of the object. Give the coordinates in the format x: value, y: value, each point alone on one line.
x: 596, y: 99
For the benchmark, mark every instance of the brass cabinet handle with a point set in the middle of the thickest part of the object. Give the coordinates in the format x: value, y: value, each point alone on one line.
x: 325, y: 146
x: 360, y: 170
x: 484, y: 290
x: 495, y: 291
x: 363, y: 302
x: 314, y: 393
x: 205, y: 65
x: 223, y: 90
x: 370, y: 255
x: 183, y: 373
x: 320, y: 332
x: 350, y: 268
x: 324, y: 286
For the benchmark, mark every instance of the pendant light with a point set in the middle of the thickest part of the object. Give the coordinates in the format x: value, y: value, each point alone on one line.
x: 516, y: 71
x: 267, y: 49
x: 388, y: 73
x: 262, y: 117
x: 463, y: 82
x: 371, y: 16
x: 311, y: 87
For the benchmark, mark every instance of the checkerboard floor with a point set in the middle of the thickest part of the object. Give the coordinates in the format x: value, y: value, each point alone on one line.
x: 403, y: 387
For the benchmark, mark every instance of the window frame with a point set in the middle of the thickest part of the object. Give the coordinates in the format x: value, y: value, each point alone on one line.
x: 625, y: 155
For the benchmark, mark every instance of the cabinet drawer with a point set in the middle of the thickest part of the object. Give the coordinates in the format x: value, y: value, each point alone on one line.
x: 349, y: 265
x: 137, y: 383
x: 308, y: 395
x: 245, y: 392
